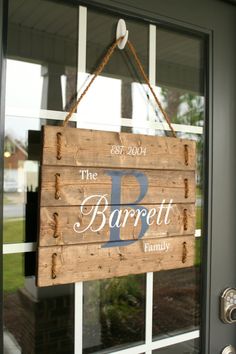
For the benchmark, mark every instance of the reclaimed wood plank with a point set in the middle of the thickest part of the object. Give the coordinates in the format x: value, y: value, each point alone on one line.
x: 128, y: 172
x: 83, y: 147
x: 67, y: 217
x: 76, y: 184
x: 91, y: 262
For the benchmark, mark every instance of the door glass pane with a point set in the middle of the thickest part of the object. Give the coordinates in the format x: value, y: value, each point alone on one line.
x: 35, y: 320
x: 114, y: 309
x: 41, y: 78
x: 176, y: 301
x: 20, y: 170
x: 116, y: 92
x: 180, y: 79
x: 114, y: 314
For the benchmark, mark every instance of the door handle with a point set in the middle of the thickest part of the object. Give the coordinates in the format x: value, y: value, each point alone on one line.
x: 228, y: 350
x: 228, y: 306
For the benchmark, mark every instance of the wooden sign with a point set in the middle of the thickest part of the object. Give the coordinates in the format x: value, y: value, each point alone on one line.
x: 113, y: 204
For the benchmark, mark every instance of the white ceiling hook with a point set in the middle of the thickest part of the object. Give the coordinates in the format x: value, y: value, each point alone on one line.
x: 121, y: 32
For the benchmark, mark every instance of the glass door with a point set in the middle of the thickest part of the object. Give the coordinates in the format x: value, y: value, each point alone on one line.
x: 49, y: 57
x: 41, y: 77
x: 156, y: 312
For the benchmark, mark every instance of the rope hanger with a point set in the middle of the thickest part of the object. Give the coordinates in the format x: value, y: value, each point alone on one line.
x: 99, y: 70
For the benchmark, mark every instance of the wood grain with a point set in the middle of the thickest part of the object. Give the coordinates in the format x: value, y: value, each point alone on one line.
x: 167, y: 166
x: 68, y: 216
x: 83, y: 147
x: 74, y: 189
x: 90, y: 262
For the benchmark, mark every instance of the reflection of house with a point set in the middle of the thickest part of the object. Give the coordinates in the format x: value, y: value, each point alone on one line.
x: 14, y: 157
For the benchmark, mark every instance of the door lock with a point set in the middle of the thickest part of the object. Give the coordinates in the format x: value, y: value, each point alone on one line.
x: 228, y: 306
x: 228, y: 350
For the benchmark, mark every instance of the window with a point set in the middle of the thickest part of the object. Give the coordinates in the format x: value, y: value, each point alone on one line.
x: 49, y: 58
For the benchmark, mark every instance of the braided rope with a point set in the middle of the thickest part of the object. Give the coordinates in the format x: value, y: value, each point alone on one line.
x: 99, y: 70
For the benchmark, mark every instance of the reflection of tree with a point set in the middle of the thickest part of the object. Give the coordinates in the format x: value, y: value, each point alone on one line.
x: 171, y: 102
x: 10, y: 143
x: 194, y: 114
x: 122, y: 310
x: 186, y: 108
x: 183, y: 108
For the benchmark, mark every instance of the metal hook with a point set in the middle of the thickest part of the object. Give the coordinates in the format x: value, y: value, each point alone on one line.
x: 121, y: 32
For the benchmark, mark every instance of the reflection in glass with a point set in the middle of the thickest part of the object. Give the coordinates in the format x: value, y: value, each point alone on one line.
x: 181, y: 106
x: 35, y: 320
x: 180, y: 79
x: 100, y: 34
x: 189, y: 347
x: 23, y: 85
x: 103, y: 96
x: 41, y: 75
x: 20, y: 179
x: 122, y: 68
x: 114, y: 313
x: 44, y: 77
x: 48, y: 37
x: 176, y: 307
x: 114, y: 309
x: 180, y: 62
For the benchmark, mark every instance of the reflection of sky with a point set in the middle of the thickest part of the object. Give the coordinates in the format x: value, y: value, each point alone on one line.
x: 99, y: 109
x: 17, y: 128
x: 24, y: 84
x: 23, y: 92
x: 101, y: 105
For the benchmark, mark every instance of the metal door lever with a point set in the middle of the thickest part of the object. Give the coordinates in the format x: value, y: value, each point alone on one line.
x: 228, y: 350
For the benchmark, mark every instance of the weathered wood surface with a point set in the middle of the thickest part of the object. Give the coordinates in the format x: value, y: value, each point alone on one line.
x: 78, y: 253
x: 74, y: 189
x: 90, y: 262
x: 83, y: 147
x: 68, y: 216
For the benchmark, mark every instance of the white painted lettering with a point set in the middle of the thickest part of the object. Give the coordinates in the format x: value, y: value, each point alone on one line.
x: 150, y: 215
x: 95, y: 207
x: 157, y: 247
x: 85, y: 174
x: 166, y: 221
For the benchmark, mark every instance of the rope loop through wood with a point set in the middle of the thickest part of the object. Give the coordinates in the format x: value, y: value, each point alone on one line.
x: 59, y: 144
x: 186, y: 158
x: 185, y: 219
x: 99, y: 70
x: 186, y: 188
x: 57, y: 186
x: 54, y: 264
x: 56, y: 228
x: 184, y: 252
